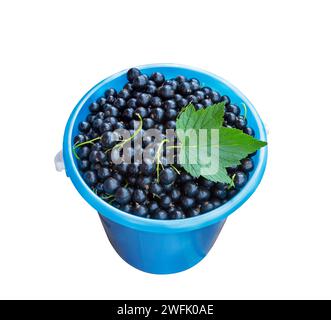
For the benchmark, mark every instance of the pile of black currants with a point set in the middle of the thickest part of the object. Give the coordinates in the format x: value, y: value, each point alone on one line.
x: 139, y: 188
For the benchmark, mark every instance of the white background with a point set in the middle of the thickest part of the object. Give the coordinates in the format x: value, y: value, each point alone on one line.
x: 278, y: 53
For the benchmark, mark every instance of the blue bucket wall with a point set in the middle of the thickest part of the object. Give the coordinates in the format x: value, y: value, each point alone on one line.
x: 162, y: 246
x: 161, y: 253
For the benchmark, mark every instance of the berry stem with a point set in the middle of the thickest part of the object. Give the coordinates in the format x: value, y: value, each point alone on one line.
x: 245, y: 109
x: 108, y: 197
x: 120, y: 145
x: 183, y: 109
x: 232, y: 181
x: 86, y: 142
x: 174, y: 147
x: 158, y: 156
x: 75, y: 153
x: 173, y: 167
x: 82, y: 144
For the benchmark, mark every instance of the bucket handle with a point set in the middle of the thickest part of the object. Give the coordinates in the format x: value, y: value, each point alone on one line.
x: 58, y: 161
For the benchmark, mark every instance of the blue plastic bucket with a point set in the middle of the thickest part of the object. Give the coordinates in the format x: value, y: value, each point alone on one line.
x: 157, y: 246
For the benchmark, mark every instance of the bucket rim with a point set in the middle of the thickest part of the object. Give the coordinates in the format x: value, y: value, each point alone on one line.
x: 153, y: 225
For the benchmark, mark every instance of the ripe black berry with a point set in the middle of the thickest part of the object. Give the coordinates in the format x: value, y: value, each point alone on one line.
x: 160, y: 214
x: 206, y: 102
x: 184, y: 177
x: 192, y: 99
x: 97, y: 156
x: 123, y: 168
x: 109, y: 139
x: 83, y: 165
x: 190, y: 189
x: 230, y: 118
x: 140, y: 211
x: 111, y: 99
x: 113, y: 112
x: 176, y: 214
x: 206, y: 206
x: 143, y: 182
x: 101, y: 101
x: 180, y: 79
x: 96, y: 147
x: 157, y: 77
x: 192, y: 212
x: 133, y: 168
x: 199, y: 94
x: 153, y: 205
x: 122, y: 195
x: 241, y: 122
x: 94, y: 107
x: 175, y: 195
x: 90, y: 178
x: 105, y: 126
x: 83, y: 152
x: 156, y: 189
x: 247, y: 165
x: 103, y: 173
x: 148, y: 123
x: 127, y: 114
x: 117, y: 176
x: 147, y: 168
x: 171, y: 124
x: 184, y: 88
x: 215, y: 97
x: 142, y: 112
x: 156, y: 102
x: 234, y: 109
x: 111, y: 92
x: 165, y: 202
x: 128, y: 86
x: 127, y: 208
x: 144, y: 99
x: 119, y: 103
x: 187, y: 202
x: 250, y: 131
x: 195, y: 85
x: 171, y: 114
x: 169, y: 104
x: 167, y: 176
x: 232, y: 193
x: 132, y: 103
x: 157, y: 114
x: 166, y: 92
x: 182, y: 103
x: 111, y: 185
x: 84, y: 127
x: 203, y: 195
x: 215, y: 202
x: 124, y: 94
x: 79, y: 139
x: 139, y: 82
x: 97, y: 123
x: 226, y: 100
x: 139, y: 196
x: 133, y: 73
x: 219, y: 193
x: 151, y: 89
x: 240, y: 179
x: 177, y: 97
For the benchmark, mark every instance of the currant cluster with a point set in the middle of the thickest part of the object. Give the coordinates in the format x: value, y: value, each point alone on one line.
x: 141, y: 189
